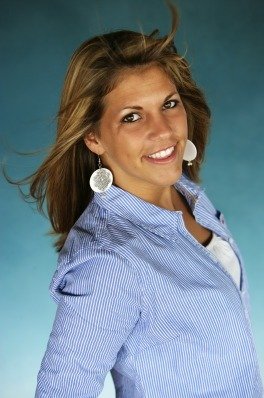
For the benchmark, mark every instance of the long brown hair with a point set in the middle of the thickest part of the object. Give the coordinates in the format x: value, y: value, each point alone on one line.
x: 62, y: 180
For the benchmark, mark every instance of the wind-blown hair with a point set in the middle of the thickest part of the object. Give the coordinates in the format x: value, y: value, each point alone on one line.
x: 62, y: 181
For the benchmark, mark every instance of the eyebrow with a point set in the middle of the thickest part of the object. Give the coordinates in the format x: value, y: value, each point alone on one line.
x: 140, y: 107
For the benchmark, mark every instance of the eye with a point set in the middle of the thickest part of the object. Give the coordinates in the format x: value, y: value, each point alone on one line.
x: 131, y: 118
x: 171, y: 104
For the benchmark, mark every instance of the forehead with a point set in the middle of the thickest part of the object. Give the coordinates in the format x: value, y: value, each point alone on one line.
x: 139, y: 84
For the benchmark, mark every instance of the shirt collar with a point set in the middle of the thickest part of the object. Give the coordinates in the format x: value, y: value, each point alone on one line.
x: 145, y: 214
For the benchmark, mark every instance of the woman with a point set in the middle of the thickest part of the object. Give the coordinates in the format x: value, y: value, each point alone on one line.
x: 150, y: 283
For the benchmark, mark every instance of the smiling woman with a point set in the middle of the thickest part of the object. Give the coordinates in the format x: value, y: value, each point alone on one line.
x: 150, y: 284
x: 143, y: 143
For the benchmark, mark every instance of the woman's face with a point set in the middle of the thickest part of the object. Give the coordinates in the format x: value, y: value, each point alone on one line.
x: 143, y: 132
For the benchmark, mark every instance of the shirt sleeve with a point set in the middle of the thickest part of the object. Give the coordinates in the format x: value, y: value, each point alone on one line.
x: 99, y: 306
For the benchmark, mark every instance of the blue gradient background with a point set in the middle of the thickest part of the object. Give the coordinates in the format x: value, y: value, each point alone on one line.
x: 224, y: 41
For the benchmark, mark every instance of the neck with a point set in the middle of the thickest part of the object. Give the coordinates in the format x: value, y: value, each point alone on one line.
x: 167, y: 199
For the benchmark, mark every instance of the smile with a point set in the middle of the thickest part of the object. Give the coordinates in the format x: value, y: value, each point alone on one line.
x: 163, y: 154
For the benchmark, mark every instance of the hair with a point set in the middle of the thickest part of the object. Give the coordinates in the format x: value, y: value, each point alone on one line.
x: 62, y: 181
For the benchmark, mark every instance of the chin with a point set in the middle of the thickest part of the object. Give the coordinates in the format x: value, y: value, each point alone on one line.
x: 174, y: 177
x: 167, y: 181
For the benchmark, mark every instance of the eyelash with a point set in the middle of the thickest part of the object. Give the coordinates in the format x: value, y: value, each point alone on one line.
x: 175, y: 101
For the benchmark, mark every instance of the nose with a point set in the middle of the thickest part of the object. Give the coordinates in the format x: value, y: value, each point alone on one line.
x: 158, y: 128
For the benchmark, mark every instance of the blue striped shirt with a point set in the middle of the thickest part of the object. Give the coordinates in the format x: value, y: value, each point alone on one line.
x: 138, y: 295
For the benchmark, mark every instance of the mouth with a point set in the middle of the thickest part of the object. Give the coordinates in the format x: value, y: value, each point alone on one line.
x: 163, y: 156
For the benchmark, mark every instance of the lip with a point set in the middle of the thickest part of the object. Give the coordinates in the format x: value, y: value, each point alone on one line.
x: 163, y: 149
x: 162, y: 161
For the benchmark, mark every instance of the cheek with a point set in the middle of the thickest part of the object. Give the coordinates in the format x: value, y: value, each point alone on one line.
x: 120, y: 151
x: 178, y: 119
x: 185, y: 119
x: 130, y: 143
x: 183, y: 124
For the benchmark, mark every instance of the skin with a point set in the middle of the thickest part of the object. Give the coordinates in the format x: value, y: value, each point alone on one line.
x: 143, y: 115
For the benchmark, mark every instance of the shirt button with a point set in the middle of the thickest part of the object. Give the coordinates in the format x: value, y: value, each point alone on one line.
x: 221, y: 218
x: 213, y: 258
x: 247, y: 316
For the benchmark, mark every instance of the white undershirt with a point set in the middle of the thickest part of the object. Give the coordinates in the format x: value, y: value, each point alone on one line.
x: 226, y: 256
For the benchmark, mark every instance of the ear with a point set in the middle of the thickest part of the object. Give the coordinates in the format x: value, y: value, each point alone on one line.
x: 93, y: 143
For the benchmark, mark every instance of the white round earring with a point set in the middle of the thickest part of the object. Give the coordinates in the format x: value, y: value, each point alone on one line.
x: 190, y: 152
x: 101, y: 179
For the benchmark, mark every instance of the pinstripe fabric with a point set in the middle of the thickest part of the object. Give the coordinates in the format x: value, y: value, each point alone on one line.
x: 139, y: 296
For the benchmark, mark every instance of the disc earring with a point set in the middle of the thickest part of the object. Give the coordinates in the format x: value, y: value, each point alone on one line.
x: 190, y: 152
x: 101, y: 179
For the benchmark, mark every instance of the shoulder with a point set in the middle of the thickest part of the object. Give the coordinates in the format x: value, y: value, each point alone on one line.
x: 98, y: 227
x: 93, y: 268
x: 86, y: 232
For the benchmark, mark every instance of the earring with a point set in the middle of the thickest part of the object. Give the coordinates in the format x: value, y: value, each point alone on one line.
x: 190, y: 152
x: 101, y: 179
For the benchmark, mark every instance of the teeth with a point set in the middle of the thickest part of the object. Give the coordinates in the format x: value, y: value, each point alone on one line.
x: 162, y: 154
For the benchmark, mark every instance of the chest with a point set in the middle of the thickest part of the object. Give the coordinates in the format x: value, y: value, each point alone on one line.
x: 187, y: 294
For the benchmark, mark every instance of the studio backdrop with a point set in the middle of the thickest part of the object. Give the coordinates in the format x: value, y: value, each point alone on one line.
x: 223, y: 41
